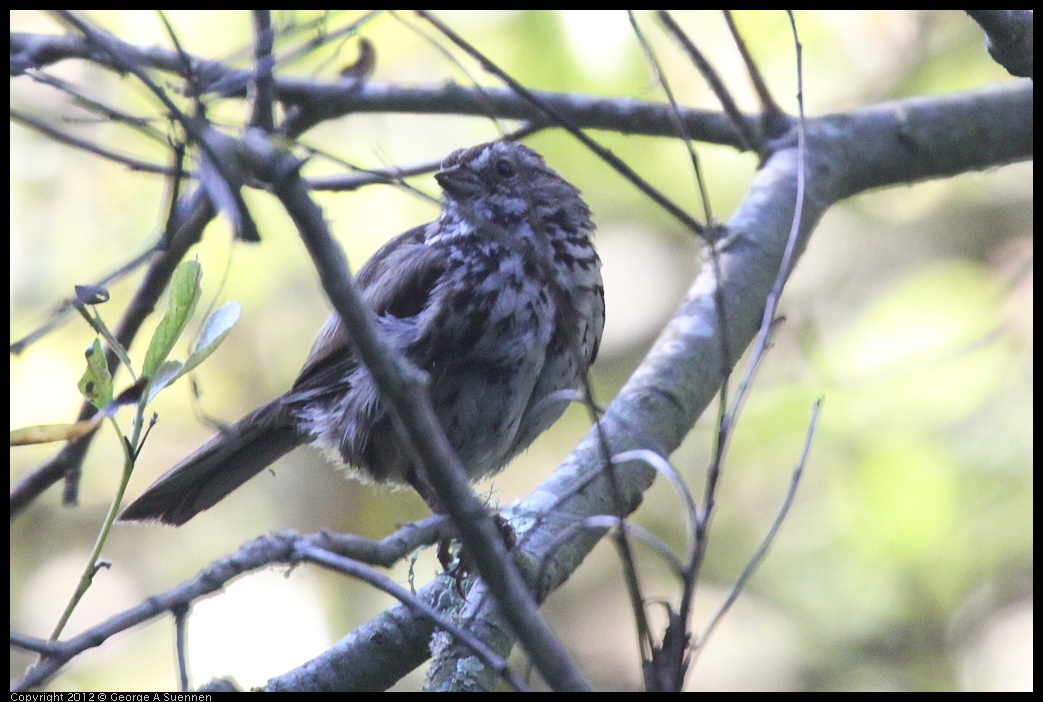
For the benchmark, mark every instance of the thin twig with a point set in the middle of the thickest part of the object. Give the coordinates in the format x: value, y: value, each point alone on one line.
x: 86, y: 145
x: 340, y: 564
x: 630, y: 573
x: 770, y: 110
x: 769, y: 538
x: 772, y: 302
x: 724, y: 97
x: 394, y: 175
x: 181, y: 644
x: 675, y: 114
x: 245, y: 227
x: 490, y: 108
x: 62, y: 309
x: 282, y: 547
x: 262, y: 114
x: 566, y: 123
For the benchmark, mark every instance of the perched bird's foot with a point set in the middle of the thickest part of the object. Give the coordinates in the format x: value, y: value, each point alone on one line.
x: 459, y: 565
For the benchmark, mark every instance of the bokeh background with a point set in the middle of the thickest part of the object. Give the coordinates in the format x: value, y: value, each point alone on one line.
x: 906, y: 562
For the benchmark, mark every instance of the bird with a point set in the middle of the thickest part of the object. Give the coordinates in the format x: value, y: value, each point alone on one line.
x: 499, y: 301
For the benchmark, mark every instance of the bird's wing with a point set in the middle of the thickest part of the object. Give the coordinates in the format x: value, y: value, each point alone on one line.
x: 397, y: 281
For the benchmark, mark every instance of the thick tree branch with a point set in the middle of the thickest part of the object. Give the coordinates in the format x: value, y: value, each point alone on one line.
x: 1009, y: 38
x: 325, y: 100
x: 678, y: 379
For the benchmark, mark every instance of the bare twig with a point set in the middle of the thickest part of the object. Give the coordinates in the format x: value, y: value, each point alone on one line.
x: 448, y: 55
x: 366, y: 574
x: 675, y: 112
x: 772, y: 303
x: 749, y: 137
x: 566, y: 123
x: 64, y: 307
x: 181, y: 644
x: 769, y: 538
x: 773, y: 119
x: 283, y: 547
x: 262, y: 115
x: 85, y: 144
x: 630, y: 573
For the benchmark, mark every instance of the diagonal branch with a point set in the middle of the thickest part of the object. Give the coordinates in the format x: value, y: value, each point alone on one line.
x: 651, y: 411
x: 406, y: 392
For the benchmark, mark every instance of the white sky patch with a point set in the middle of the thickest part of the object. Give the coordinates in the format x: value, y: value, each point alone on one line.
x: 599, y: 39
x: 261, y: 625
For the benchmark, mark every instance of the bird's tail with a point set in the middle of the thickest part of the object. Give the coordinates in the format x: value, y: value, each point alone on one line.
x: 217, y: 468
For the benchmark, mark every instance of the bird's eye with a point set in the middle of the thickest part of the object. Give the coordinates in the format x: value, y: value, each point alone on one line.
x: 504, y: 169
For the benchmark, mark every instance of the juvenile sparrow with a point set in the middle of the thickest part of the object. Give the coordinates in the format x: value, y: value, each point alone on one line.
x: 499, y: 301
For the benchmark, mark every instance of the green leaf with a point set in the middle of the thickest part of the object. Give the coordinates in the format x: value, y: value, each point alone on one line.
x: 167, y: 373
x: 214, y: 332
x: 183, y: 294
x: 217, y: 327
x: 96, y: 382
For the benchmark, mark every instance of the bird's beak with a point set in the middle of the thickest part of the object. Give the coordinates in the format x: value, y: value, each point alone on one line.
x: 459, y: 183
